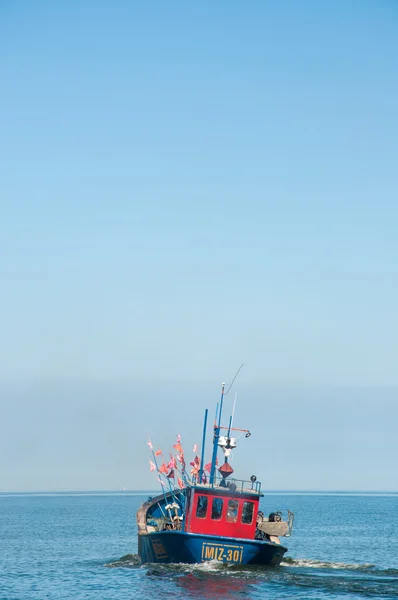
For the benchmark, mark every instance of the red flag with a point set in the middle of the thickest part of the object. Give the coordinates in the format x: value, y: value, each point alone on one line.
x: 208, y: 466
x: 158, y: 452
x: 163, y: 469
x: 182, y: 460
x: 171, y: 474
x: 172, y: 464
x: 180, y: 483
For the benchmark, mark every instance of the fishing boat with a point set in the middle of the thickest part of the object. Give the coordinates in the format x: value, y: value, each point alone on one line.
x: 208, y: 515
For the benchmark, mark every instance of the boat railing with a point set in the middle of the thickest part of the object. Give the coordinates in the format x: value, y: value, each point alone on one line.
x: 234, y: 485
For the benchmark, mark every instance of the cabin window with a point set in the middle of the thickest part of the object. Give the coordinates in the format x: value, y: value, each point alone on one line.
x: 201, y: 507
x: 216, y: 510
x: 247, y: 512
x: 232, y: 511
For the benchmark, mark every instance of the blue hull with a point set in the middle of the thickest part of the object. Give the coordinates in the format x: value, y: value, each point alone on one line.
x: 183, y: 547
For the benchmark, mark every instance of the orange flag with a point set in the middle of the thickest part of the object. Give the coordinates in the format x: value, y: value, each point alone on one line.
x: 178, y: 447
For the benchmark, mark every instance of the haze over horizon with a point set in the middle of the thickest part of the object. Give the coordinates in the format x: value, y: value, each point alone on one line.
x: 185, y: 188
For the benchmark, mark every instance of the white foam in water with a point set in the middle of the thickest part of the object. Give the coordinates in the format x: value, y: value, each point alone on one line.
x: 206, y: 566
x: 319, y: 564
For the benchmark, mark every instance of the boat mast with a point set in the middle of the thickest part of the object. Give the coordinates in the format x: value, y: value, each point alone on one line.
x: 232, y: 417
x: 216, y: 437
x: 203, y: 447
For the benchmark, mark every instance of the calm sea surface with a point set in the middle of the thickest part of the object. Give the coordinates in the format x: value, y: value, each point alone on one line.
x: 84, y: 547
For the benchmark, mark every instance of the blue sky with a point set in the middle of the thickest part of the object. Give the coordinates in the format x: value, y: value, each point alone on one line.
x: 183, y: 188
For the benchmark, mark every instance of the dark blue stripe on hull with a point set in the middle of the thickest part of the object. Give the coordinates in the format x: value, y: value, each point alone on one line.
x: 179, y: 546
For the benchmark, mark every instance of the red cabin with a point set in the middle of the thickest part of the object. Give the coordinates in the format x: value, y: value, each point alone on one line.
x: 219, y: 511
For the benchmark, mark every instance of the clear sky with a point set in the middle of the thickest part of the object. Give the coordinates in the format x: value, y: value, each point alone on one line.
x: 183, y: 187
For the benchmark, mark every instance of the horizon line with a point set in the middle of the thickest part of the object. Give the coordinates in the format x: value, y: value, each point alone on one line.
x: 156, y: 491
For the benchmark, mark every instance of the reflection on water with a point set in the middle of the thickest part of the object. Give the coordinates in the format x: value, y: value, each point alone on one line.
x: 211, y: 586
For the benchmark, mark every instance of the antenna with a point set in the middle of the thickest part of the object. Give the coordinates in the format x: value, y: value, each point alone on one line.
x: 232, y: 382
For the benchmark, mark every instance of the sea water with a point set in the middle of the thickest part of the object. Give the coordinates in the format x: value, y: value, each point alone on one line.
x: 83, y: 546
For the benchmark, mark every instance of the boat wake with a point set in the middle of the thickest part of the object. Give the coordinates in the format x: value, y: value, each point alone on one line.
x: 320, y: 564
x: 360, y: 580
x: 129, y: 561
